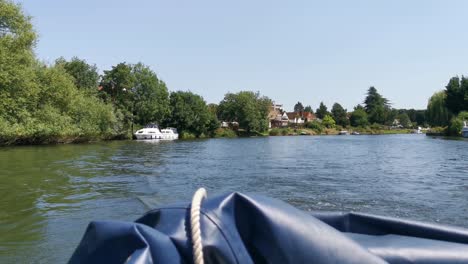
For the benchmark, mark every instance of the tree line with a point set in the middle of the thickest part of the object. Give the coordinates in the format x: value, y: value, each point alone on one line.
x: 69, y: 101
x: 448, y: 108
x: 375, y: 110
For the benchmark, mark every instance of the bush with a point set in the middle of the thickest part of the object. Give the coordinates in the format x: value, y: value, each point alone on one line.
x: 455, y: 126
x: 225, y: 132
x: 376, y: 126
x: 316, y: 126
x: 187, y: 135
x: 275, y: 132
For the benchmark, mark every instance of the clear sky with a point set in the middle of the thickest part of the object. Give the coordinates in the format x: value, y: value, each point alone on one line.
x: 308, y: 51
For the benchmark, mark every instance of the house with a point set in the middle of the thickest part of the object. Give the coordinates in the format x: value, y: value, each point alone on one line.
x: 276, y: 116
x: 300, y: 117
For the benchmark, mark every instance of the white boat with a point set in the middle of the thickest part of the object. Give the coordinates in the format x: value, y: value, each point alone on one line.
x: 169, y: 133
x: 150, y: 131
x: 417, y: 131
x: 343, y: 132
x: 465, y: 130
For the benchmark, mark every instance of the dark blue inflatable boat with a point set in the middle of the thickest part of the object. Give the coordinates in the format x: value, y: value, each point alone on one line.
x: 239, y: 228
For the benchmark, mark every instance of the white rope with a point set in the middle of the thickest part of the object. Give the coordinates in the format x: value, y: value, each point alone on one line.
x: 197, y: 199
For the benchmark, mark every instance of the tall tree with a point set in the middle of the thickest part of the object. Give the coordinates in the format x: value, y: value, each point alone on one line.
x: 150, y: 95
x: 85, y: 76
x: 455, y: 95
x: 248, y: 108
x: 376, y: 106
x: 358, y: 117
x: 116, y: 83
x: 17, y: 39
x: 322, y: 111
x: 190, y: 114
x: 437, y: 112
x: 340, y: 115
x: 308, y: 109
x: 328, y: 121
x: 298, y: 107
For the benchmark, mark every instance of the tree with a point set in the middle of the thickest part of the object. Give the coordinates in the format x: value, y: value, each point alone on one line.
x: 247, y: 108
x: 298, y: 107
x: 376, y: 106
x: 17, y: 61
x: 437, y: 112
x: 322, y: 111
x: 358, y: 117
x: 41, y: 103
x: 455, y: 95
x: 85, y: 75
x: 150, y: 95
x: 404, y: 120
x: 190, y: 114
x: 116, y: 83
x: 308, y: 109
x: 340, y: 115
x: 328, y: 121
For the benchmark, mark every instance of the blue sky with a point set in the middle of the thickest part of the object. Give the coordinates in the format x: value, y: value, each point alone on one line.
x: 308, y: 51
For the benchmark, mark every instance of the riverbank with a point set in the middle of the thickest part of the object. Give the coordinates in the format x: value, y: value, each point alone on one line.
x: 333, y: 131
x: 229, y: 133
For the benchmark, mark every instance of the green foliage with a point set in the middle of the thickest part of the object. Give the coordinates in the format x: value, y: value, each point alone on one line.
x: 376, y: 106
x: 190, y: 114
x: 322, y: 111
x: 463, y: 115
x: 455, y: 92
x: 308, y: 109
x: 376, y: 126
x: 437, y: 112
x: 41, y: 104
x: 404, y: 120
x: 248, y: 108
x: 340, y: 115
x: 328, y: 121
x: 358, y: 117
x: 275, y: 132
x: 85, y: 76
x: 298, y: 107
x: 150, y: 95
x: 225, y: 132
x: 455, y: 126
x: 316, y: 126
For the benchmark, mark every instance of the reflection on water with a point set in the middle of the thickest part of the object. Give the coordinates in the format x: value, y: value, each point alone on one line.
x: 50, y: 193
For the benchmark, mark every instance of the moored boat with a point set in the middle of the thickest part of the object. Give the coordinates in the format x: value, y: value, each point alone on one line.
x: 343, y: 132
x: 150, y: 131
x: 464, y: 131
x: 169, y: 133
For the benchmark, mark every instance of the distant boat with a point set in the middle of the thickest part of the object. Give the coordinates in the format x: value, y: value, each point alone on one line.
x: 169, y: 133
x: 150, y: 131
x: 343, y: 132
x: 417, y: 131
x: 465, y: 130
x: 355, y: 133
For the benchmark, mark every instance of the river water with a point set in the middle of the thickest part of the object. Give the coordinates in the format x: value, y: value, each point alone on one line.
x: 48, y: 194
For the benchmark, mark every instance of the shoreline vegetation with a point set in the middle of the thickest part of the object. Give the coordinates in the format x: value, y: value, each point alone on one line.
x: 69, y: 101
